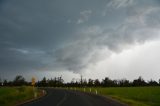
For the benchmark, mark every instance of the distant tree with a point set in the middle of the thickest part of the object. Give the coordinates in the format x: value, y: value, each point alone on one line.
x: 19, y: 81
x: 106, y: 82
x: 60, y: 81
x: 44, y: 82
x: 73, y: 83
x: 9, y: 83
x: 115, y: 83
x: 51, y: 82
x: 90, y: 82
x: 139, y: 82
x: 84, y: 82
x: 124, y: 82
x: 152, y: 83
x: 5, y: 83
x: 97, y: 82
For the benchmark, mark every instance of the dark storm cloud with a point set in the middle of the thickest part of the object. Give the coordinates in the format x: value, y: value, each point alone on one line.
x: 68, y: 35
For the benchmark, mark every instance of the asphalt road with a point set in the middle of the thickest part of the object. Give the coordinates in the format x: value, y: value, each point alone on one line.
x: 60, y: 97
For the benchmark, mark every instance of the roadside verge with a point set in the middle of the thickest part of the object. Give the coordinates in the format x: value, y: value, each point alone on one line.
x: 41, y: 94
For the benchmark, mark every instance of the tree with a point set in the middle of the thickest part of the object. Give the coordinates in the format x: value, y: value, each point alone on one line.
x: 139, y: 82
x: 51, y: 82
x: 97, y: 82
x: 44, y: 81
x: 84, y: 82
x: 5, y: 83
x: 19, y: 81
x: 152, y: 83
x: 107, y: 82
x: 90, y: 82
x: 60, y: 81
x: 124, y: 82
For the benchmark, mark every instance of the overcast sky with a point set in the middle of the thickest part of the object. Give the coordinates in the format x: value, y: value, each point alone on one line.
x: 93, y: 38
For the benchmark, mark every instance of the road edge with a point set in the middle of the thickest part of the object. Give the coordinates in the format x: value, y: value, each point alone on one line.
x: 33, y: 99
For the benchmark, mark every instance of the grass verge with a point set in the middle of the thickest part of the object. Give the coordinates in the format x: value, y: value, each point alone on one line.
x: 10, y: 96
x: 133, y: 96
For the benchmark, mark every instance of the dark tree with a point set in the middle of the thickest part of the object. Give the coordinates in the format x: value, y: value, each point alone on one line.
x: 97, y: 83
x: 124, y: 82
x: 139, y: 82
x: 107, y: 82
x: 84, y: 82
x: 90, y: 82
x: 5, y: 83
x: 51, y: 83
x: 44, y: 82
x: 152, y: 83
x: 19, y: 81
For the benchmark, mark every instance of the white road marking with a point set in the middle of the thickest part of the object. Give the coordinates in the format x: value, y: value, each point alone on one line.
x: 62, y: 100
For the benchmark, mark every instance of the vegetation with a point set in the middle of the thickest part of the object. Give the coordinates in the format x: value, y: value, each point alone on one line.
x: 18, y: 81
x: 59, y: 82
x: 106, y: 82
x: 10, y: 96
x: 135, y: 93
x: 134, y: 96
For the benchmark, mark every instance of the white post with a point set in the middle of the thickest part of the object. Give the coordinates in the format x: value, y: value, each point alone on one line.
x: 43, y: 92
x: 96, y: 91
x: 35, y: 94
x: 84, y: 89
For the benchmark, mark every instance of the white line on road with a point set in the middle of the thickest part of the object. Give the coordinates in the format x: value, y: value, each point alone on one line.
x: 63, y: 99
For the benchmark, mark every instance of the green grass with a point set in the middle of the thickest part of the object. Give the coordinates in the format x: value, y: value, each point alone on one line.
x: 133, y: 96
x: 10, y: 96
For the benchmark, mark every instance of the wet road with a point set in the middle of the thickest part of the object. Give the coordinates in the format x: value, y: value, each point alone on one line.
x: 61, y: 97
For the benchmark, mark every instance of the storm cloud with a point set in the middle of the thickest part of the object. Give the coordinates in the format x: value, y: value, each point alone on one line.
x: 59, y: 35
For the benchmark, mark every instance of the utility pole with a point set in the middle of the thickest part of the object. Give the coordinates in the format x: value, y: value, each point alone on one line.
x: 61, y: 78
x: 81, y: 80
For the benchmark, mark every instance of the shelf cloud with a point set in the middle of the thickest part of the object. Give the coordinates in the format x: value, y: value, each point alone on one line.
x: 71, y: 35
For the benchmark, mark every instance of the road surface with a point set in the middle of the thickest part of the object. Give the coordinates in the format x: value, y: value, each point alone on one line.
x: 61, y: 97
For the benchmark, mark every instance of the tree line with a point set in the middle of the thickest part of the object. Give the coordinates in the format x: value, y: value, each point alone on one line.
x: 59, y: 82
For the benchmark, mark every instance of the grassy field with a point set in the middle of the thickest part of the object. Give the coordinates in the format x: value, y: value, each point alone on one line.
x: 9, y: 96
x: 134, y: 96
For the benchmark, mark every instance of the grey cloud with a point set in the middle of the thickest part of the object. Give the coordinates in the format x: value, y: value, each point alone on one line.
x: 93, y: 38
x: 36, y: 35
x: 119, y: 3
x: 84, y: 16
